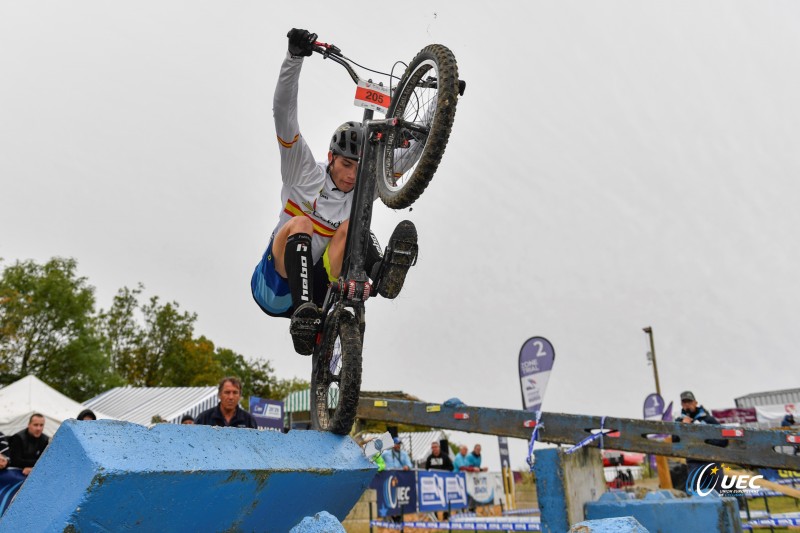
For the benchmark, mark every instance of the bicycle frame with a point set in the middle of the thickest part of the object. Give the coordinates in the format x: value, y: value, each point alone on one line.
x: 354, y: 287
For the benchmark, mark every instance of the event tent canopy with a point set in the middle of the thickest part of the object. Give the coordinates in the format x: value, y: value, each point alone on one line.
x: 19, y: 400
x: 141, y: 404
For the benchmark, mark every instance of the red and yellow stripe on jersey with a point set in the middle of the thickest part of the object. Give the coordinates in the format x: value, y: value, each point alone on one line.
x: 292, y: 209
x: 287, y: 144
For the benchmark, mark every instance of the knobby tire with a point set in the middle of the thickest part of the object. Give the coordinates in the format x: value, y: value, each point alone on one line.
x: 434, y: 60
x: 340, y: 337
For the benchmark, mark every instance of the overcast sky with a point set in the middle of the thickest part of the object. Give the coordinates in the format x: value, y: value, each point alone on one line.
x: 612, y: 166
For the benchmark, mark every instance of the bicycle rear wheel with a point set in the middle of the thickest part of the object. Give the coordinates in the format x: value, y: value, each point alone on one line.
x: 336, y: 374
x: 426, y: 96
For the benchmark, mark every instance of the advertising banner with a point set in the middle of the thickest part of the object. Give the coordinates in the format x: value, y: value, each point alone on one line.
x: 784, y: 477
x: 502, y: 444
x: 440, y: 491
x: 268, y: 413
x: 485, y: 488
x: 535, y: 364
x: 396, y: 492
x: 738, y: 415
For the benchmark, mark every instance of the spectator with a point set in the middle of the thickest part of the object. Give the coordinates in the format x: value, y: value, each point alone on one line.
x: 187, y: 419
x: 87, y: 414
x: 461, y: 462
x: 474, y: 459
x: 693, y: 413
x: 788, y: 420
x: 396, y: 457
x: 438, y: 460
x: 227, y: 413
x: 27, y: 445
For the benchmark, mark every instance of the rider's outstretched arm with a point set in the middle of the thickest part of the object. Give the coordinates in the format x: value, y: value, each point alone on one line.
x: 297, y: 161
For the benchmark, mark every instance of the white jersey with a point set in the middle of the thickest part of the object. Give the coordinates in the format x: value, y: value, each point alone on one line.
x: 308, y: 189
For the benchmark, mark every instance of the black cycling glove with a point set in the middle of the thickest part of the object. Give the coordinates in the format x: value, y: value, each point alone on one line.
x: 301, y: 42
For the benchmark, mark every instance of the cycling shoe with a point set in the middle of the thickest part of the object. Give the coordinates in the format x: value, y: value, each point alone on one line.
x: 401, y: 254
x: 304, y: 327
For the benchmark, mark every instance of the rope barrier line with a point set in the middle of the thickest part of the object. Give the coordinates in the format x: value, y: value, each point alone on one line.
x: 591, y: 438
x: 531, y: 459
x: 508, y: 525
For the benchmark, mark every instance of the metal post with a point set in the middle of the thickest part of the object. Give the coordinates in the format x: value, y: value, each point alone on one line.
x: 664, y: 478
x: 649, y: 332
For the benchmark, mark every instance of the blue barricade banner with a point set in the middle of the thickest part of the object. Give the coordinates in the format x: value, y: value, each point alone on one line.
x: 396, y: 492
x: 10, y: 481
x: 268, y: 413
x: 440, y: 491
x: 780, y: 476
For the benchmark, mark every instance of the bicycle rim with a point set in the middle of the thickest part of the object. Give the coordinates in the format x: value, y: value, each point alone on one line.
x: 426, y: 96
x: 336, y: 375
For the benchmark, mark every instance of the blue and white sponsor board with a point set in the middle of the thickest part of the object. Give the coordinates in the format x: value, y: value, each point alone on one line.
x: 396, y: 492
x: 268, y: 413
x: 440, y: 491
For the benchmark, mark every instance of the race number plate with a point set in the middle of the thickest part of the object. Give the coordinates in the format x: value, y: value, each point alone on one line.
x: 372, y: 96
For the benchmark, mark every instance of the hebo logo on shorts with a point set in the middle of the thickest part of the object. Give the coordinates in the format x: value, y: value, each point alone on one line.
x: 702, y: 481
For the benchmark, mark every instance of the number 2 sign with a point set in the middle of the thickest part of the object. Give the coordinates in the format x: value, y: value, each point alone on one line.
x: 372, y: 96
x: 535, y: 363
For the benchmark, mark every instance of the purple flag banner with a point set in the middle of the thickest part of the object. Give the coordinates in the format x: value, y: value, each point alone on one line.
x: 535, y: 364
x: 653, y: 407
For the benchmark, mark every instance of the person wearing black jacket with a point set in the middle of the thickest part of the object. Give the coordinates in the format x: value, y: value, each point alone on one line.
x: 28, y: 445
x: 694, y: 413
x: 438, y: 460
x: 227, y: 413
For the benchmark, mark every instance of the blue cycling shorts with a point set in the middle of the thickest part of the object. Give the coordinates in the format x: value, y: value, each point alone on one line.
x: 271, y: 291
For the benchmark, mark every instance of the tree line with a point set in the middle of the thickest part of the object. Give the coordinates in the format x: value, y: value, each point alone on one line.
x: 50, y: 327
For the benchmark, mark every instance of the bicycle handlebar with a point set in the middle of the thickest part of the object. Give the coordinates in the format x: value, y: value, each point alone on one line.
x: 334, y: 53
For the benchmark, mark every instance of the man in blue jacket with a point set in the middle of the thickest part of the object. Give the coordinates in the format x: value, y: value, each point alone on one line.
x: 396, y: 457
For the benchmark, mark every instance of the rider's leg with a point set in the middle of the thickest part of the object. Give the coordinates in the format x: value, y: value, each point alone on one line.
x: 336, y: 250
x: 293, y: 259
x: 335, y: 253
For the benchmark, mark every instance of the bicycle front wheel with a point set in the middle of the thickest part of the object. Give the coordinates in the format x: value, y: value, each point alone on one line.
x: 426, y: 97
x: 336, y: 374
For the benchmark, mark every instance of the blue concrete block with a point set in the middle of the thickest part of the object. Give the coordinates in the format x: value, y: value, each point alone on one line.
x: 115, y: 476
x: 679, y: 515
x: 625, y: 524
x: 319, y: 523
x: 550, y: 490
x: 564, y: 483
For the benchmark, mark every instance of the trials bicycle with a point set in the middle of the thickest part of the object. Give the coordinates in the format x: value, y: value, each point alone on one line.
x: 399, y: 156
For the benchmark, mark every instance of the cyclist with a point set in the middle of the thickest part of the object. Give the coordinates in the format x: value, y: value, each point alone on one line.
x: 306, y: 248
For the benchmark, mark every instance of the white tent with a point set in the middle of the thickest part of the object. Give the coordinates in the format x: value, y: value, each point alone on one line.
x: 29, y: 395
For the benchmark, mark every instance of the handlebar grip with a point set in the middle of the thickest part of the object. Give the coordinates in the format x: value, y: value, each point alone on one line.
x: 326, y: 49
